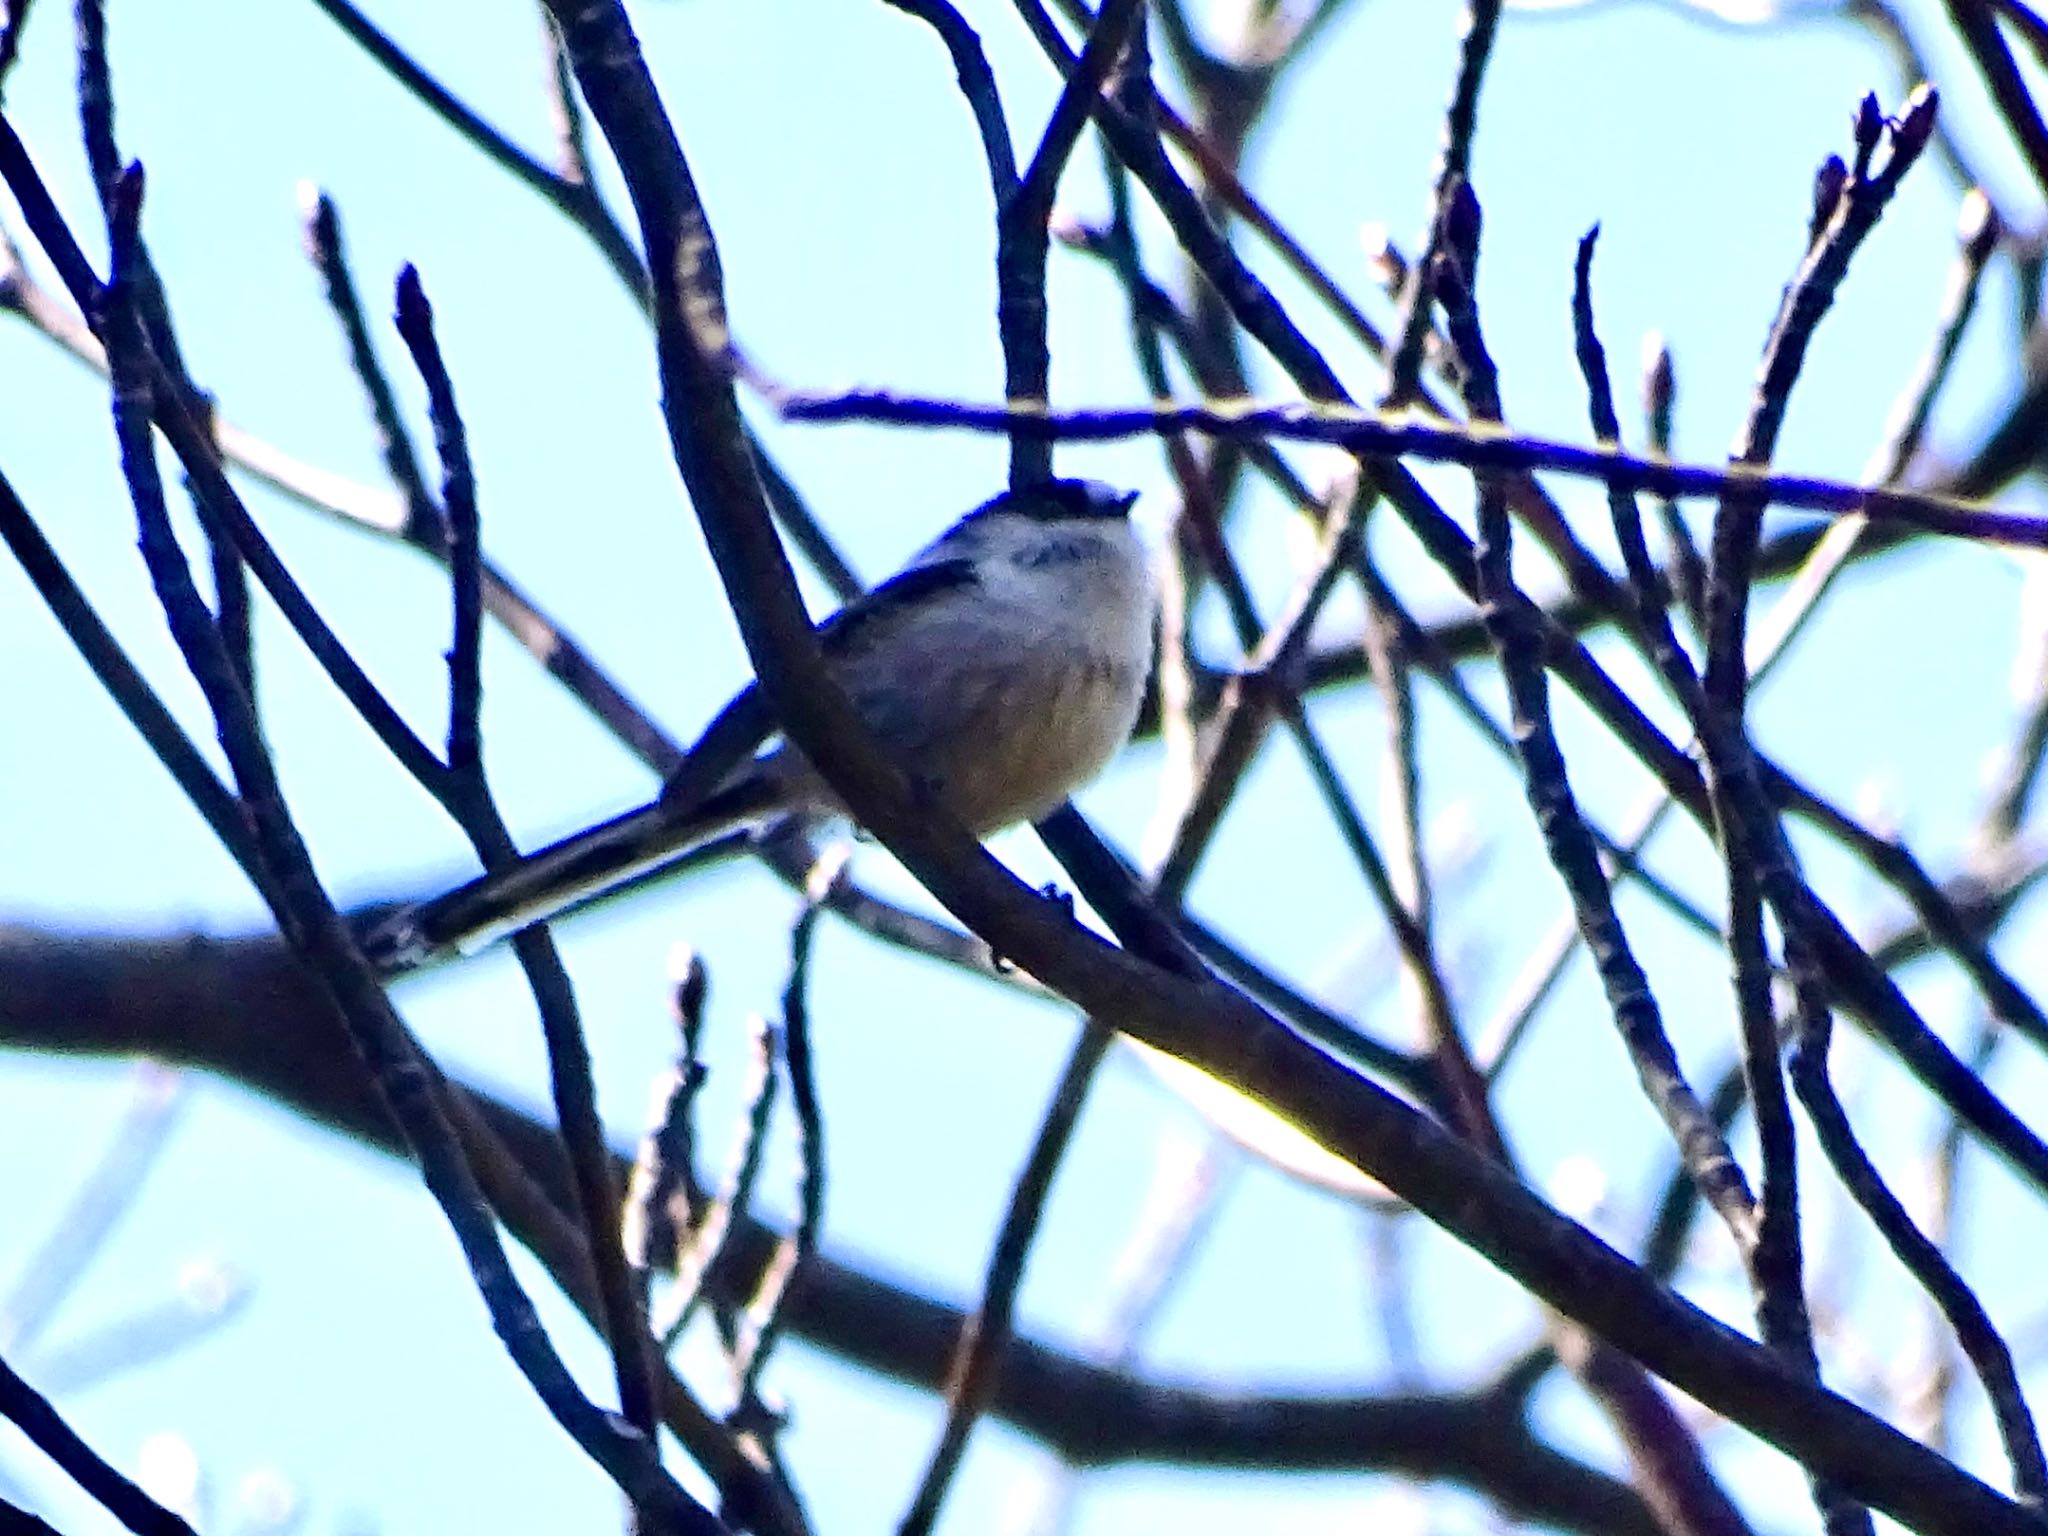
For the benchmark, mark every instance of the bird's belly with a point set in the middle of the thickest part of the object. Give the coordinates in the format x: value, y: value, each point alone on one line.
x: 1040, y: 739
x: 1003, y: 734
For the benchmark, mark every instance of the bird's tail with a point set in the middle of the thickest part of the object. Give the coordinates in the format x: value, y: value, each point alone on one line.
x: 543, y: 884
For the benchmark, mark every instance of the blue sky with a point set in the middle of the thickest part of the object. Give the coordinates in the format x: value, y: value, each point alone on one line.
x: 846, y: 189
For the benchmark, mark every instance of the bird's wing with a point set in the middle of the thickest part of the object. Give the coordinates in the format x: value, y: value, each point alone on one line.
x: 861, y: 622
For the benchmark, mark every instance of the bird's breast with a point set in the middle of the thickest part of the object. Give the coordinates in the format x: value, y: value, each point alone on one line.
x: 1016, y: 692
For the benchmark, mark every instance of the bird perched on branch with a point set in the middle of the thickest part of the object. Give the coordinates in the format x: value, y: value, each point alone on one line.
x: 1002, y: 668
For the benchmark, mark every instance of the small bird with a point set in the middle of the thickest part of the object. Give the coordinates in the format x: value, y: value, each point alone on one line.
x: 1002, y: 667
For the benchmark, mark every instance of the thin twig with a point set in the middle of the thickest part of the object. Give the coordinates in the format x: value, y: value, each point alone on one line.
x: 1660, y: 401
x: 1757, y: 858
x: 767, y: 1311
x: 708, y: 1239
x: 982, y: 1345
x: 575, y: 196
x: 103, y: 1197
x: 130, y: 691
x: 1652, y: 613
x: 1853, y: 216
x: 233, y: 608
x: 1435, y: 1016
x: 1668, y: 1457
x: 664, y: 1199
x: 425, y: 525
x: 1769, y: 647
x: 1545, y: 966
x: 415, y: 320
x: 45, y: 1428
x: 1976, y: 24
x: 1237, y: 289
x: 572, y: 151
x: 413, y: 1090
x: 1978, y: 236
x: 11, y: 34
x: 2017, y: 769
x: 1975, y: 1332
x: 469, y: 800
x: 204, y: 1304
x: 178, y: 416
x: 1182, y: 1201
x: 1022, y: 241
x: 576, y: 200
x: 1547, y: 783
x: 1475, y: 446
x: 1133, y: 137
x: 1482, y: 22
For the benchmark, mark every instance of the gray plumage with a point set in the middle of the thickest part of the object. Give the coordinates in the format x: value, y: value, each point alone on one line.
x: 1003, y: 666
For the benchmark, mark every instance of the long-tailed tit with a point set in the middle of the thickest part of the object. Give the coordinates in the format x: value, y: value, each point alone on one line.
x: 1002, y: 667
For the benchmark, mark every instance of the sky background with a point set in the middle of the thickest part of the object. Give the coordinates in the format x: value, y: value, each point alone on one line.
x: 836, y: 161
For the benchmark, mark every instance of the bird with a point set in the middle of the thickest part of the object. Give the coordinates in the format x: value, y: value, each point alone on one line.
x: 1001, y: 668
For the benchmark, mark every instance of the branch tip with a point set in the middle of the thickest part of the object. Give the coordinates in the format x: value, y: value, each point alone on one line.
x: 1828, y: 183
x: 323, y: 220
x: 1868, y: 128
x: 415, y: 315
x: 1978, y: 227
x: 1913, y: 129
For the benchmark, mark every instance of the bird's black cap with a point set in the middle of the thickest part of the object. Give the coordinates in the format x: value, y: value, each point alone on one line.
x: 1055, y: 500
